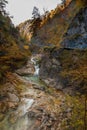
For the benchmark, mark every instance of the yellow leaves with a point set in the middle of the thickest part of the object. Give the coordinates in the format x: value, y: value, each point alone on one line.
x: 26, y: 47
x: 77, y: 74
x: 78, y: 110
x: 52, y: 105
x: 54, y: 28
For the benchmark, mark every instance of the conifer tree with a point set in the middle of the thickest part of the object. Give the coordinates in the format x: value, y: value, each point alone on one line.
x: 2, y: 6
x: 35, y: 13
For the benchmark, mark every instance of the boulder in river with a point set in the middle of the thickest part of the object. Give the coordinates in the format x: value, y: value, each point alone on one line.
x: 26, y: 70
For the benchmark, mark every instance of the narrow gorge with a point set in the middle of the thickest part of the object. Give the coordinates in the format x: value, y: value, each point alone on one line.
x: 43, y: 69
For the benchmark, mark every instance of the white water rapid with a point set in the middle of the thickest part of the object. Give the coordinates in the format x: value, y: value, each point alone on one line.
x: 33, y: 60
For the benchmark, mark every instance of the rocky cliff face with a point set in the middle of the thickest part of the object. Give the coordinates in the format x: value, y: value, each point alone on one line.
x: 50, y: 68
x: 76, y: 35
x: 49, y: 26
x: 67, y: 27
x: 63, y: 25
x: 25, y: 29
x: 65, y: 69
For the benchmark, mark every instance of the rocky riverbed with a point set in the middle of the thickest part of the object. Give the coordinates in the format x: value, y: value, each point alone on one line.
x: 28, y: 103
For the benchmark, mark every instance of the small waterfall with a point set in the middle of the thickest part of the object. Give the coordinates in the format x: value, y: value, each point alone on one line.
x: 25, y: 105
x: 33, y: 60
x: 36, y: 70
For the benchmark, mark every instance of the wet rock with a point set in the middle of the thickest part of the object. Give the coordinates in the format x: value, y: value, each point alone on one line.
x: 31, y: 114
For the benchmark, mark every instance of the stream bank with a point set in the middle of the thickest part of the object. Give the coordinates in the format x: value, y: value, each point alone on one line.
x: 28, y: 102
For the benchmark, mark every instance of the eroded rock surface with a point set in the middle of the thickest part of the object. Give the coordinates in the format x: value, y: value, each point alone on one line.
x: 26, y: 70
x: 76, y: 34
x: 36, y: 109
x: 28, y: 103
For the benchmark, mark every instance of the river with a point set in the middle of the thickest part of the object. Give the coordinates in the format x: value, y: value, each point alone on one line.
x: 18, y: 119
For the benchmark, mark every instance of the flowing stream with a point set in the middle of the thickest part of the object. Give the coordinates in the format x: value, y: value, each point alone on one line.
x: 18, y: 119
x: 33, y: 60
x: 35, y: 77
